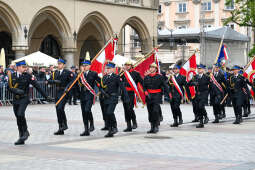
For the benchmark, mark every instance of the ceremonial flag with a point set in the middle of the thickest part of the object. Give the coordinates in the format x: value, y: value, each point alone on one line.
x: 106, y: 54
x: 188, y: 65
x: 223, y: 56
x: 144, y: 65
x: 189, y: 70
x: 249, y: 73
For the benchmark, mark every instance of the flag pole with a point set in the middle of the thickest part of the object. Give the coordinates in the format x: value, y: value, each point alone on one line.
x: 79, y: 75
x: 222, y: 39
x: 189, y: 57
x: 101, y: 50
x: 249, y: 64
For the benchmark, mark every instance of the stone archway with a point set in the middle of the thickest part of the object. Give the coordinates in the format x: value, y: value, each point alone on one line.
x: 6, y: 43
x: 49, y: 21
x: 50, y: 46
x: 139, y: 37
x: 94, y: 32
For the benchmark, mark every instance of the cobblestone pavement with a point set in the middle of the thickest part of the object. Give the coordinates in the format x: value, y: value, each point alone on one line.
x: 221, y: 146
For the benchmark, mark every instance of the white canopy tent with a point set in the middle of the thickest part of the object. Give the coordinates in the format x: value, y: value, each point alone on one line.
x: 38, y: 59
x: 120, y: 60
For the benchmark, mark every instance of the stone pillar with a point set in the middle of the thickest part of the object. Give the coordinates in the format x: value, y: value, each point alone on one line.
x: 69, y: 57
x: 20, y: 51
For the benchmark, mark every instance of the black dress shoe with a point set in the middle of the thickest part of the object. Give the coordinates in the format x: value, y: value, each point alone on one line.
x: 200, y: 126
x: 174, y: 125
x: 91, y: 128
x: 85, y: 133
x: 245, y: 115
x: 134, y: 126
x: 59, y: 132
x: 19, y: 142
x: 75, y: 104
x: 64, y: 126
x: 128, y: 129
x: 206, y: 120
x: 216, y: 121
x: 180, y: 122
x: 109, y: 134
x: 25, y: 136
x: 114, y: 130
x: 104, y: 128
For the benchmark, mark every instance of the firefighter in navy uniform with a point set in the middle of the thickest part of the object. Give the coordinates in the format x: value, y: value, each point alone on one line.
x: 87, y: 95
x: 129, y: 107
x: 177, y: 95
x: 19, y: 85
x: 111, y: 85
x: 237, y: 93
x: 62, y: 78
x: 153, y: 84
x: 217, y: 91
x: 201, y: 82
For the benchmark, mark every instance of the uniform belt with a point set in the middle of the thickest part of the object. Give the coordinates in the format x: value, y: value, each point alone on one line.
x: 129, y: 89
x: 154, y: 90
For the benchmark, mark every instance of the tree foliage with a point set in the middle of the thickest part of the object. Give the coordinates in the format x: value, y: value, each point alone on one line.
x: 243, y: 15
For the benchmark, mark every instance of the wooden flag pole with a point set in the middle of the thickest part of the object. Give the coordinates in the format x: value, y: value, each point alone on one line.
x: 70, y: 87
x: 222, y: 39
x: 101, y: 50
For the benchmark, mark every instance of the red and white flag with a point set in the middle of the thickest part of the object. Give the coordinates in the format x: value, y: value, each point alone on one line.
x: 188, y: 70
x: 190, y: 63
x: 249, y: 73
x: 106, y: 54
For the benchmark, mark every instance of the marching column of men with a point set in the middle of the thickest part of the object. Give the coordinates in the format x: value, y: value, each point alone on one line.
x: 112, y: 85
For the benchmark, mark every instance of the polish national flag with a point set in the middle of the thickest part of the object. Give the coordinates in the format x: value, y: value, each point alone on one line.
x: 249, y: 68
x: 190, y: 63
x: 106, y: 54
x: 188, y: 70
x: 249, y: 73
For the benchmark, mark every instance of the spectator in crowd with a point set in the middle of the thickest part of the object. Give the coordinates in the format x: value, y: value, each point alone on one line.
x: 41, y: 74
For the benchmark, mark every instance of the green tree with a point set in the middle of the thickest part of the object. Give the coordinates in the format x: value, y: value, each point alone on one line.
x: 243, y: 15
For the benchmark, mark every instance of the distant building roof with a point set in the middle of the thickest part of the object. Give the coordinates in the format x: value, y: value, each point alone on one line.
x: 209, y: 33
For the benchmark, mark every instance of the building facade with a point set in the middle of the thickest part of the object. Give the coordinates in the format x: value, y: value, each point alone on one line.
x: 195, y: 14
x: 69, y: 28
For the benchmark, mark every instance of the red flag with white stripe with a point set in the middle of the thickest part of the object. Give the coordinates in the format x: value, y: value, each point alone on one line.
x: 188, y: 70
x: 249, y: 73
x: 106, y: 54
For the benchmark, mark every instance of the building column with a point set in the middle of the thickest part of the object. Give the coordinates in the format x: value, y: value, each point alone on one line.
x: 20, y: 51
x: 69, y: 57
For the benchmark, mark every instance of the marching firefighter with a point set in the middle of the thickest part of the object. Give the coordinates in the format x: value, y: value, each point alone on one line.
x: 129, y: 107
x: 87, y: 83
x: 176, y: 83
x: 19, y: 85
x: 111, y: 86
x: 201, y: 82
x: 62, y: 78
x: 153, y: 85
x: 237, y: 93
x: 218, y: 87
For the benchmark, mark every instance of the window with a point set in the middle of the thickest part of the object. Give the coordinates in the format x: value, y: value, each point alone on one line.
x: 182, y: 27
x: 231, y: 26
x: 206, y: 6
x: 160, y: 9
x: 182, y: 7
x: 230, y: 6
x: 207, y: 26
